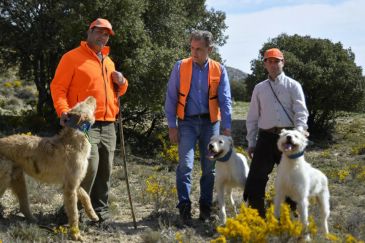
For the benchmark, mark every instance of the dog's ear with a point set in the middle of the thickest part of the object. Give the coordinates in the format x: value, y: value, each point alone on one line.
x: 73, y: 119
x: 283, y: 132
x: 90, y: 100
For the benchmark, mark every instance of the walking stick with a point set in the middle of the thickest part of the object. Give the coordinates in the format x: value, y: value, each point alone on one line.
x: 124, y: 158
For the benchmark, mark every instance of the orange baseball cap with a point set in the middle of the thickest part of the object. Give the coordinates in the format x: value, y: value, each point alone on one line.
x: 273, y: 52
x: 102, y: 23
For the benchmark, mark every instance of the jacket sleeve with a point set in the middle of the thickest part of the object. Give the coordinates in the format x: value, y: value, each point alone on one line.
x: 224, y: 98
x: 60, y: 85
x: 123, y: 88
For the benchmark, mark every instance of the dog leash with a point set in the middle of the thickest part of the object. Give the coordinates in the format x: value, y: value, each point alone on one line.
x: 286, y: 113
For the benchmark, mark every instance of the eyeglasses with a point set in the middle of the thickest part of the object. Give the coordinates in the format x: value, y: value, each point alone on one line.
x: 272, y: 60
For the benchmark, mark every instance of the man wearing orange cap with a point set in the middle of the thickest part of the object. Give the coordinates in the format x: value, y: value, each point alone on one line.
x: 276, y: 103
x: 88, y: 71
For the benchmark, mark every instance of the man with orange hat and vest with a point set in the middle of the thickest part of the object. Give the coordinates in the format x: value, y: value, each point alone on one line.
x: 198, y: 97
x: 276, y: 103
x: 88, y: 71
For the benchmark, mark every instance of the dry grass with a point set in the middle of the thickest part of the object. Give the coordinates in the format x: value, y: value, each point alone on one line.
x: 157, y: 217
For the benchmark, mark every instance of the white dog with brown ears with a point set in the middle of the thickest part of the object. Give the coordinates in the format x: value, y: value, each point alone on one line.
x: 231, y: 170
x: 298, y: 180
x: 61, y: 159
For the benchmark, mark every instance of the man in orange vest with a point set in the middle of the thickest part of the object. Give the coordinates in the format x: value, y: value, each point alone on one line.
x: 88, y: 71
x: 198, y: 96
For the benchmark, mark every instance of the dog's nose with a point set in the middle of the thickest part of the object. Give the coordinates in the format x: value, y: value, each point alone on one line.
x: 210, y: 146
x: 288, y: 138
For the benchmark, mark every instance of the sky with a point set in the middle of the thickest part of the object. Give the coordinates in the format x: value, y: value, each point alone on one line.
x: 251, y: 23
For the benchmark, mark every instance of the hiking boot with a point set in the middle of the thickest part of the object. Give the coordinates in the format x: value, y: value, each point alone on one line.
x: 185, y: 214
x: 205, y: 212
x: 62, y: 219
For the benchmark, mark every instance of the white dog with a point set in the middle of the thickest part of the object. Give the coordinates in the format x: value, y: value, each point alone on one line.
x: 231, y: 170
x: 298, y: 180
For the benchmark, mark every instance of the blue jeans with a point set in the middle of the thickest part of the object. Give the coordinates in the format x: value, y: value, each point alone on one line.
x: 191, y: 130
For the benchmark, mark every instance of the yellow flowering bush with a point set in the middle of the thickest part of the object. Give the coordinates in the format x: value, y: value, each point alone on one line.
x: 332, y: 238
x: 351, y: 239
x: 13, y: 84
x: 159, y: 190
x: 27, y: 134
x: 358, y: 150
x: 326, y: 154
x: 361, y: 174
x: 248, y: 226
x: 343, y: 174
x: 169, y: 153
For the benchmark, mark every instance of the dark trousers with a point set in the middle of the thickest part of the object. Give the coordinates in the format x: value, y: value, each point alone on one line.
x: 97, y: 180
x: 266, y: 155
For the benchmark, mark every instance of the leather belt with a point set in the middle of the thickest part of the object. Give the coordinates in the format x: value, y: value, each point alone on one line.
x: 274, y: 130
x: 102, y: 123
x: 201, y: 116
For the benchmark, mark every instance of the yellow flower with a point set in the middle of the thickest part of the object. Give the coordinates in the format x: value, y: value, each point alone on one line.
x: 75, y: 230
x: 312, y: 226
x: 352, y: 239
x: 332, y: 237
x: 178, y: 237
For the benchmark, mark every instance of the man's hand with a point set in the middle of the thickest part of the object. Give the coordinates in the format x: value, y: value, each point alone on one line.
x: 302, y: 130
x: 174, y: 135
x: 250, y: 151
x: 227, y: 132
x: 118, y: 78
x: 63, y: 118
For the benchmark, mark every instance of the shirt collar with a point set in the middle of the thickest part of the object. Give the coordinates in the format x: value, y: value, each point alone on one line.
x: 205, y: 66
x: 104, y: 51
x: 279, y: 79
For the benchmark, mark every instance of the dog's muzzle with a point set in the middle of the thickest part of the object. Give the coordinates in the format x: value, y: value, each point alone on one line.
x: 213, y: 154
x: 289, y: 145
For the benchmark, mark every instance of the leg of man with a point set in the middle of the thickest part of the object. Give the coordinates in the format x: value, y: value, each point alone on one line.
x: 266, y: 155
x: 207, y: 130
x: 100, y: 190
x: 187, y: 141
x: 92, y: 168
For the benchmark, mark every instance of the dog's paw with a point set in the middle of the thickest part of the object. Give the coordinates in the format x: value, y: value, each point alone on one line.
x: 77, y: 237
x: 95, y: 218
x: 75, y: 234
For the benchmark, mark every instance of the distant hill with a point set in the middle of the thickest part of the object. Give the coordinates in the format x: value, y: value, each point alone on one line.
x: 237, y: 80
x: 236, y: 74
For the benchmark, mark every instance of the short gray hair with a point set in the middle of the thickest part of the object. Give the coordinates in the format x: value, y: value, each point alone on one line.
x: 202, y: 35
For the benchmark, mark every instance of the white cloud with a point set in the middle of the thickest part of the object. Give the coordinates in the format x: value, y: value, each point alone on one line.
x: 341, y: 22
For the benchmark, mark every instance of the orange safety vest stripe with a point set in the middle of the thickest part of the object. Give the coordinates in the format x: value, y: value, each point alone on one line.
x: 214, y: 77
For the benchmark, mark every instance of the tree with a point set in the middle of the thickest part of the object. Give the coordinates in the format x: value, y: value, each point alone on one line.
x: 150, y: 37
x: 330, y: 78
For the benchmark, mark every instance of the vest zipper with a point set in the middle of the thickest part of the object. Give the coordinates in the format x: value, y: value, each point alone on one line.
x: 105, y: 88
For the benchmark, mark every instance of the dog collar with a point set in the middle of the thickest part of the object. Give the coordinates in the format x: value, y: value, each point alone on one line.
x: 226, y: 157
x: 82, y: 126
x: 297, y: 155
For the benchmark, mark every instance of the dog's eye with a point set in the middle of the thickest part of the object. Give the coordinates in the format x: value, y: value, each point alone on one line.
x: 220, y: 141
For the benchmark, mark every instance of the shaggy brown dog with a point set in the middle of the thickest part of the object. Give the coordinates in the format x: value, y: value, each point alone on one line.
x: 61, y: 159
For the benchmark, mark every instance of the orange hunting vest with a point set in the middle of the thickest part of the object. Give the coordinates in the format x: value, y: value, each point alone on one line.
x: 214, y: 77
